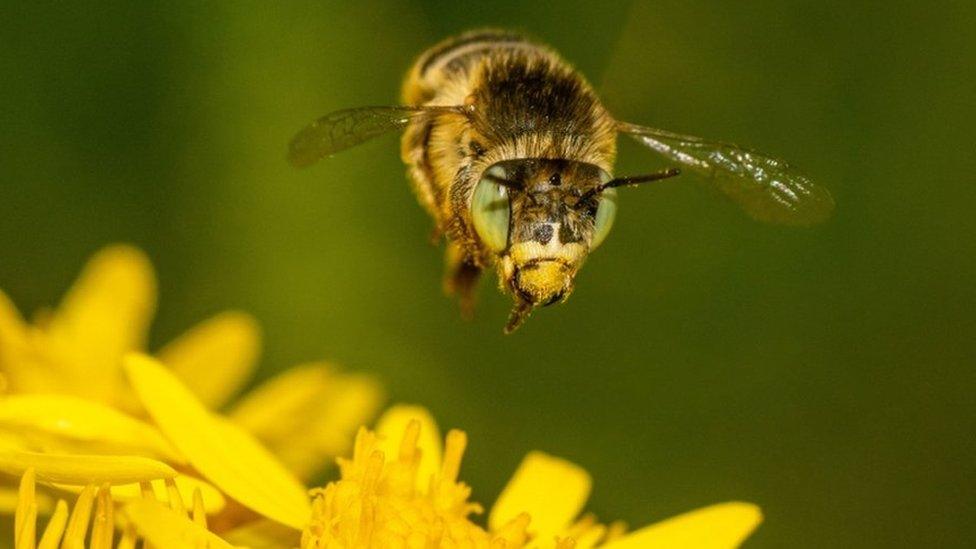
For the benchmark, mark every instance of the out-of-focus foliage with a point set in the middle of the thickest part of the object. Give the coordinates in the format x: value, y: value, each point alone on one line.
x: 826, y: 374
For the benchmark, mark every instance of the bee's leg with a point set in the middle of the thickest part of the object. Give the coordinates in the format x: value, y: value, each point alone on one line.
x: 461, y: 279
x: 520, y: 312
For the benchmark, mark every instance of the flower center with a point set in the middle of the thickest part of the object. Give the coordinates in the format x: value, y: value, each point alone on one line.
x: 378, y: 501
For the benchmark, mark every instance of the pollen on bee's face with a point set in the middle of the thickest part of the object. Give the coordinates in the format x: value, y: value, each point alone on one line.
x: 528, y: 252
x: 542, y: 273
x: 542, y: 282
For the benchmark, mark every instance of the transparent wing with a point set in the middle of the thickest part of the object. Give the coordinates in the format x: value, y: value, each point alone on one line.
x: 340, y: 130
x: 767, y: 188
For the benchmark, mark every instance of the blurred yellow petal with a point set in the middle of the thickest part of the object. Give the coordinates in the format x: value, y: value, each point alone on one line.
x: 213, y: 499
x: 308, y: 414
x: 227, y: 456
x: 586, y: 532
x: 551, y: 490
x: 351, y: 401
x: 55, y: 527
x: 163, y: 527
x: 12, y: 329
x: 104, y: 315
x: 103, y: 524
x: 82, y: 469
x: 390, y: 428
x: 267, y: 409
x: 25, y: 518
x: 590, y: 537
x: 8, y: 501
x: 215, y: 358
x: 83, y: 420
x: 111, y: 303
x: 77, y: 528
x: 263, y: 533
x: 198, y: 511
x: 721, y: 526
x: 20, y: 368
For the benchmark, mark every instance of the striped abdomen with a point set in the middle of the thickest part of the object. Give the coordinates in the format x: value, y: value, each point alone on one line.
x: 452, y: 59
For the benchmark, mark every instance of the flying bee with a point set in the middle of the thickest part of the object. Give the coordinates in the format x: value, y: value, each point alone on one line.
x: 511, y: 152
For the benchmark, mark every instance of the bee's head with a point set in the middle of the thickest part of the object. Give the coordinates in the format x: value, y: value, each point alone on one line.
x: 542, y: 217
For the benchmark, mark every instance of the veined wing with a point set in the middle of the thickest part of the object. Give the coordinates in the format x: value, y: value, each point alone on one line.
x: 340, y: 130
x: 767, y: 188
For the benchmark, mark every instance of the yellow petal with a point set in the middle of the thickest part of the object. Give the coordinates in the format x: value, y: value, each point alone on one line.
x: 9, y: 497
x: 12, y: 330
x: 351, y: 402
x: 551, y: 490
x: 263, y: 533
x: 215, y: 358
x: 83, y: 420
x: 20, y: 369
x: 390, y: 428
x: 227, y: 456
x: 270, y: 408
x: 77, y: 528
x: 164, y: 527
x: 128, y: 539
x: 308, y: 414
x: 55, y: 527
x: 199, y: 511
x: 720, y: 526
x: 103, y: 525
x: 25, y: 519
x: 213, y: 499
x: 105, y: 314
x: 82, y: 469
x: 175, y: 499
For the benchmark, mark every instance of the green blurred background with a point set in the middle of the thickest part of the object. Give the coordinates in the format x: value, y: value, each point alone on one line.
x: 826, y: 374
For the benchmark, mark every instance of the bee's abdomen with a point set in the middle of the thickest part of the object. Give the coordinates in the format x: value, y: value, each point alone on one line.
x: 455, y: 50
x: 455, y: 57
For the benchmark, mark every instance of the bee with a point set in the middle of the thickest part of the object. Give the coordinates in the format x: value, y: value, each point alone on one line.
x: 511, y: 152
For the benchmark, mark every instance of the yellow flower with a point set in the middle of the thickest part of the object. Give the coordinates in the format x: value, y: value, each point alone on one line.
x: 401, y: 488
x: 76, y: 348
x: 144, y: 518
x: 71, y: 423
x: 380, y: 503
x: 383, y: 500
x: 66, y: 390
x: 308, y: 414
x: 222, y: 452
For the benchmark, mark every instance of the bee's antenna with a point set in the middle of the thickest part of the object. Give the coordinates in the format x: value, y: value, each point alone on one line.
x: 632, y: 180
x: 636, y: 179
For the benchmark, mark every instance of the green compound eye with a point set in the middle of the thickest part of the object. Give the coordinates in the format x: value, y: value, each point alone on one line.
x: 605, y: 214
x: 491, y: 211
